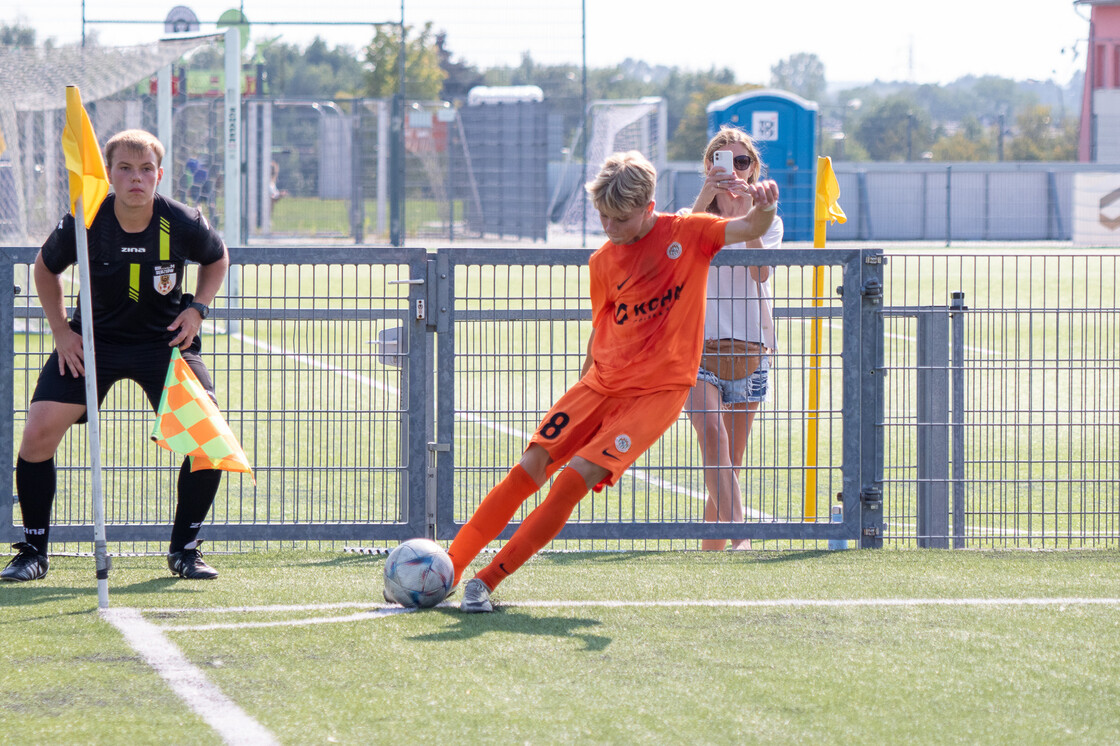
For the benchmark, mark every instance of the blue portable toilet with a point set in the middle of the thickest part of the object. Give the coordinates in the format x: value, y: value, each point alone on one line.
x: 784, y: 127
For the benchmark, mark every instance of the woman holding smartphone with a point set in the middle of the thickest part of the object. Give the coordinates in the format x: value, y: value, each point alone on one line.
x: 739, y: 335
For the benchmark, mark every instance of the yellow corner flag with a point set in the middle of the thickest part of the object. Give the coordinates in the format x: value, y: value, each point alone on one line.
x: 826, y: 209
x: 88, y: 180
x: 3, y: 145
x: 188, y: 422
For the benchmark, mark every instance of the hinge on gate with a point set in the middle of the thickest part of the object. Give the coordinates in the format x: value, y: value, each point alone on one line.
x: 435, y: 447
x: 872, y: 288
x: 871, y: 498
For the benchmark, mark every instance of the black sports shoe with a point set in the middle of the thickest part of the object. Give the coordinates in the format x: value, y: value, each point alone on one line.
x: 27, y: 565
x: 189, y: 564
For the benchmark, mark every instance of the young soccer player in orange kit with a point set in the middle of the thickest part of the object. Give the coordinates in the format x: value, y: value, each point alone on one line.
x: 648, y: 293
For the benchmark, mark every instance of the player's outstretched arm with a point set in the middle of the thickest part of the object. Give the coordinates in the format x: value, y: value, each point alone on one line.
x: 757, y: 221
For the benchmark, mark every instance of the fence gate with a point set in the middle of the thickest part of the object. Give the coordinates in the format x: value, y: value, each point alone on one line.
x: 511, y: 328
x: 321, y: 371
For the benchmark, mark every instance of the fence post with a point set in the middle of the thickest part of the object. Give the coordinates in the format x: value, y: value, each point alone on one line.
x: 357, y: 172
x: 872, y: 370
x: 932, y: 427
x: 956, y: 320
x: 948, y: 206
x: 8, y: 291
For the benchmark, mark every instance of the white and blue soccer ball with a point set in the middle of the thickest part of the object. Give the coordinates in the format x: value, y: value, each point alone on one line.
x: 418, y: 573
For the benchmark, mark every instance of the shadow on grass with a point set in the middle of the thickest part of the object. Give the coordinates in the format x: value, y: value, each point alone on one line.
x: 23, y: 594
x: 169, y: 584
x: 469, y: 626
x: 622, y: 556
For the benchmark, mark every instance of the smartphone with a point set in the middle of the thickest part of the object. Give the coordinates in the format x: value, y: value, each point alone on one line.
x: 724, y: 159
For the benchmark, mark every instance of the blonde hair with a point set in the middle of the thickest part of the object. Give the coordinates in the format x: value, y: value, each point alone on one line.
x: 134, y: 140
x: 626, y: 181
x: 720, y: 141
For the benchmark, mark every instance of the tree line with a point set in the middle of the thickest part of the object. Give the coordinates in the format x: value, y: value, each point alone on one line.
x: 971, y: 119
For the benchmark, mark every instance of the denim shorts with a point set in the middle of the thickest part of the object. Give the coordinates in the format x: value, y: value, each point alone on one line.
x: 753, y: 388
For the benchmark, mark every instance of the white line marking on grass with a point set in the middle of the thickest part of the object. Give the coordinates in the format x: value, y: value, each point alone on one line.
x: 359, y: 617
x: 269, y: 608
x: 911, y: 338
x: 825, y: 602
x: 637, y: 471
x: 207, y: 701
x: 313, y: 363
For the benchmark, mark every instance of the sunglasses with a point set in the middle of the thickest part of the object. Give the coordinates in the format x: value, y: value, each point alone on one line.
x: 742, y: 162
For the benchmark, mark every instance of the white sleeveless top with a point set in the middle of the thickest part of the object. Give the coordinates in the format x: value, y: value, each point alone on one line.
x: 739, y: 306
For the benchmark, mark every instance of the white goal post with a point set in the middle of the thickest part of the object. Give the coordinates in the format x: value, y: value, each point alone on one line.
x: 116, y: 89
x: 614, y: 125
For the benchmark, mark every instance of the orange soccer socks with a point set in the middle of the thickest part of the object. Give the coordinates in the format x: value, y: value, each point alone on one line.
x: 492, y: 515
x: 541, y: 527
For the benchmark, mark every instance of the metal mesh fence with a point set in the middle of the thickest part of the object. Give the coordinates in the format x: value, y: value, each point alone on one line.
x: 324, y: 418
x: 1003, y: 419
x: 118, y: 89
x: 1001, y: 426
x: 519, y: 341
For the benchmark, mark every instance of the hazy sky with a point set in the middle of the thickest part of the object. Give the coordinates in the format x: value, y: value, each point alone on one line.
x: 858, y: 40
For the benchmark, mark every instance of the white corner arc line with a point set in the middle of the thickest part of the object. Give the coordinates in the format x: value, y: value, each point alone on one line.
x: 232, y: 723
x: 356, y: 617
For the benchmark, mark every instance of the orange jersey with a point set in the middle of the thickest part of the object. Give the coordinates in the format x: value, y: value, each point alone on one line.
x: 647, y: 305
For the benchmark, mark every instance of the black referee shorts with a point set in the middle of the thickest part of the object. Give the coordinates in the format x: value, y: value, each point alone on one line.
x: 145, y: 364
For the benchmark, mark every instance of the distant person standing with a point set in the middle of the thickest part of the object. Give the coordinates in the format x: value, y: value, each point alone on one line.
x: 739, y: 337
x: 274, y: 191
x: 139, y: 245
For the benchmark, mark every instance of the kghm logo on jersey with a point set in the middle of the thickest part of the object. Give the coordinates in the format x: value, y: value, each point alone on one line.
x: 675, y: 250
x: 163, y: 278
x: 648, y: 309
x: 622, y: 443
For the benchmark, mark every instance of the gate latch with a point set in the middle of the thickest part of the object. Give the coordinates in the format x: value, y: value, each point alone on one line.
x: 872, y: 498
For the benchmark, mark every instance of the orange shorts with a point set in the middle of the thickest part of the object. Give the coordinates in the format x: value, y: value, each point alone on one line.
x: 608, y: 431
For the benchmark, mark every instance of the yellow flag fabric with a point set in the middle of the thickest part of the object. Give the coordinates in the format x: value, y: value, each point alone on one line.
x: 188, y: 422
x: 3, y: 145
x: 83, y: 158
x: 828, y: 192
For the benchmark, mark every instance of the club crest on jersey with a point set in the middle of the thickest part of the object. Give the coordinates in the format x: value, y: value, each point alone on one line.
x: 163, y: 278
x: 622, y: 443
x: 674, y: 251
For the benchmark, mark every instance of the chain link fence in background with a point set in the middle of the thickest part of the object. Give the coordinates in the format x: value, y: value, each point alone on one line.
x: 999, y: 425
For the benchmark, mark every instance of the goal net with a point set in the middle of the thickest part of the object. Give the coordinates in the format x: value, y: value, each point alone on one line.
x: 119, y: 91
x: 614, y: 126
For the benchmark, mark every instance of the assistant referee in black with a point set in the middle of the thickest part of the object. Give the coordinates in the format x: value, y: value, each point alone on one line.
x: 139, y: 245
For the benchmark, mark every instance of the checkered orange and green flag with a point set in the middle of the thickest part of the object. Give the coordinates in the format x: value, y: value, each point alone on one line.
x: 188, y: 422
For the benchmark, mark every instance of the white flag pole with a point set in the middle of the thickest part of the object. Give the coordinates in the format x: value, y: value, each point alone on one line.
x: 89, y: 362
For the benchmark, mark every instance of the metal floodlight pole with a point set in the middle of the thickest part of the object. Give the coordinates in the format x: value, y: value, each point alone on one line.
x: 586, y: 118
x: 396, y: 161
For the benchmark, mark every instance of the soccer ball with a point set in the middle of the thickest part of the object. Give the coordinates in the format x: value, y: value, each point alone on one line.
x: 418, y: 573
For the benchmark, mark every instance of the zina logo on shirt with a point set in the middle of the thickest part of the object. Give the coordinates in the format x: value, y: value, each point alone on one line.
x: 674, y: 250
